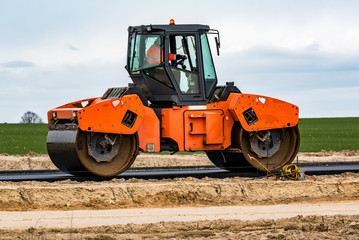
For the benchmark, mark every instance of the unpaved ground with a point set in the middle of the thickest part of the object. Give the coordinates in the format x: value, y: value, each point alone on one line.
x: 181, y: 192
x: 33, y: 161
x: 83, y: 218
x: 184, y: 192
x: 309, y: 227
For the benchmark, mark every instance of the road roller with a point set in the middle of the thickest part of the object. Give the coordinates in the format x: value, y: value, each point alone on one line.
x: 173, y: 104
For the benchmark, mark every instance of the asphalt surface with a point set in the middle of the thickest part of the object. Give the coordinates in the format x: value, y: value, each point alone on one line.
x: 53, y: 175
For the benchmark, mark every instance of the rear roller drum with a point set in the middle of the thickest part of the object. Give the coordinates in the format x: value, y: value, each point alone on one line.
x: 270, y: 149
x: 232, y: 161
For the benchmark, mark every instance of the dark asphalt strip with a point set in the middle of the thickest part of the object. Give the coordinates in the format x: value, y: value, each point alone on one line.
x: 171, y: 173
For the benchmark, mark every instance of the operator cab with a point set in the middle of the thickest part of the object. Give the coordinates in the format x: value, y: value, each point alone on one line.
x: 157, y: 65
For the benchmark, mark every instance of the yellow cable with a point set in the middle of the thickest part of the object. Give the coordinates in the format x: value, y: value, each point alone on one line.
x: 259, y: 163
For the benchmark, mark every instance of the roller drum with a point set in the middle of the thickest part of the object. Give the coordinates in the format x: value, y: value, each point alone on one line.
x: 83, y: 153
x: 61, y: 147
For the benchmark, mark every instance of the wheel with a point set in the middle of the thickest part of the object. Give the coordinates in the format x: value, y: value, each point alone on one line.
x: 234, y: 162
x: 101, y: 154
x: 107, y: 155
x: 271, y: 149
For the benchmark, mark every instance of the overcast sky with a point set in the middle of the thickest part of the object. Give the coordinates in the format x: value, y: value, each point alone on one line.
x: 304, y: 52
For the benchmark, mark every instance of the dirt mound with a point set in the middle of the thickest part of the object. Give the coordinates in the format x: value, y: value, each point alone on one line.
x: 135, y: 193
x: 29, y: 154
x: 329, y: 156
x: 324, y: 153
x: 309, y: 227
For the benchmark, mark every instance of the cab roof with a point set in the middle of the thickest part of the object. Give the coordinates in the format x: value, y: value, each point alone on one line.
x: 169, y: 28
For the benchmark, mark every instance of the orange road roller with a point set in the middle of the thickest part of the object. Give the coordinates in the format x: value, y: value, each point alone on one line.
x: 174, y: 104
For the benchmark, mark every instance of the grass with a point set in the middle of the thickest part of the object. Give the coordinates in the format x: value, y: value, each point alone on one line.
x: 329, y: 134
x: 317, y: 134
x: 23, y: 138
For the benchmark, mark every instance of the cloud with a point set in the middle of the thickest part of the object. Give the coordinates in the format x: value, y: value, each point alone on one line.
x: 304, y: 76
x: 72, y: 48
x: 42, y: 90
x: 272, y: 59
x: 277, y: 48
x: 18, y: 64
x: 314, y: 47
x: 331, y: 102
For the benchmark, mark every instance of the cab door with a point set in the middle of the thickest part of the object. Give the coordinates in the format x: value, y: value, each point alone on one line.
x: 186, y: 72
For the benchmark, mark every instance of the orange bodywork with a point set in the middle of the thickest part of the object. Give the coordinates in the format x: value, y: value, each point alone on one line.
x: 196, y: 129
x: 66, y: 111
x: 103, y: 115
x: 271, y: 113
x: 193, y: 128
x: 106, y: 116
x: 209, y: 127
x: 149, y: 132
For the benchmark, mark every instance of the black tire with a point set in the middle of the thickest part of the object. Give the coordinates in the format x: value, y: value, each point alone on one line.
x: 234, y: 162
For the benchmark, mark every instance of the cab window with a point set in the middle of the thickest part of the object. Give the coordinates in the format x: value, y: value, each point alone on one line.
x: 145, y: 52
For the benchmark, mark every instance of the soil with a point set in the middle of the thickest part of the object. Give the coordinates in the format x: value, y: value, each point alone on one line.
x: 309, y: 227
x: 34, y: 161
x: 180, y: 193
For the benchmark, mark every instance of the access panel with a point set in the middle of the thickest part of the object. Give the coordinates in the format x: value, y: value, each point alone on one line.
x: 203, y: 130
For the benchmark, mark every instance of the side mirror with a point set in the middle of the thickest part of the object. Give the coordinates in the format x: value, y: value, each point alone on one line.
x: 218, y: 45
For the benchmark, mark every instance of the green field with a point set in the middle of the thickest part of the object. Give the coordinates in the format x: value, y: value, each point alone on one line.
x: 329, y: 134
x: 23, y: 138
x: 316, y: 134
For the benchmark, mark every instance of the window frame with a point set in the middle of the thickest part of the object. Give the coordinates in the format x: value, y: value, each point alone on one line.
x: 207, y: 92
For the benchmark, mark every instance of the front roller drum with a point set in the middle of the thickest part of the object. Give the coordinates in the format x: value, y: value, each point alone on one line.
x: 61, y: 147
x: 101, y: 154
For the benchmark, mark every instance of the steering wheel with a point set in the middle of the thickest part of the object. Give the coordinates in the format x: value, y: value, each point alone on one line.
x: 181, y: 62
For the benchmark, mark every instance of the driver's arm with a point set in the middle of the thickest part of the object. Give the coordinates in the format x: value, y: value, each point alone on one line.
x: 173, y: 57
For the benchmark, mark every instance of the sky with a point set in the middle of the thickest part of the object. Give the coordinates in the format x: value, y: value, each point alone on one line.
x: 304, y: 52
